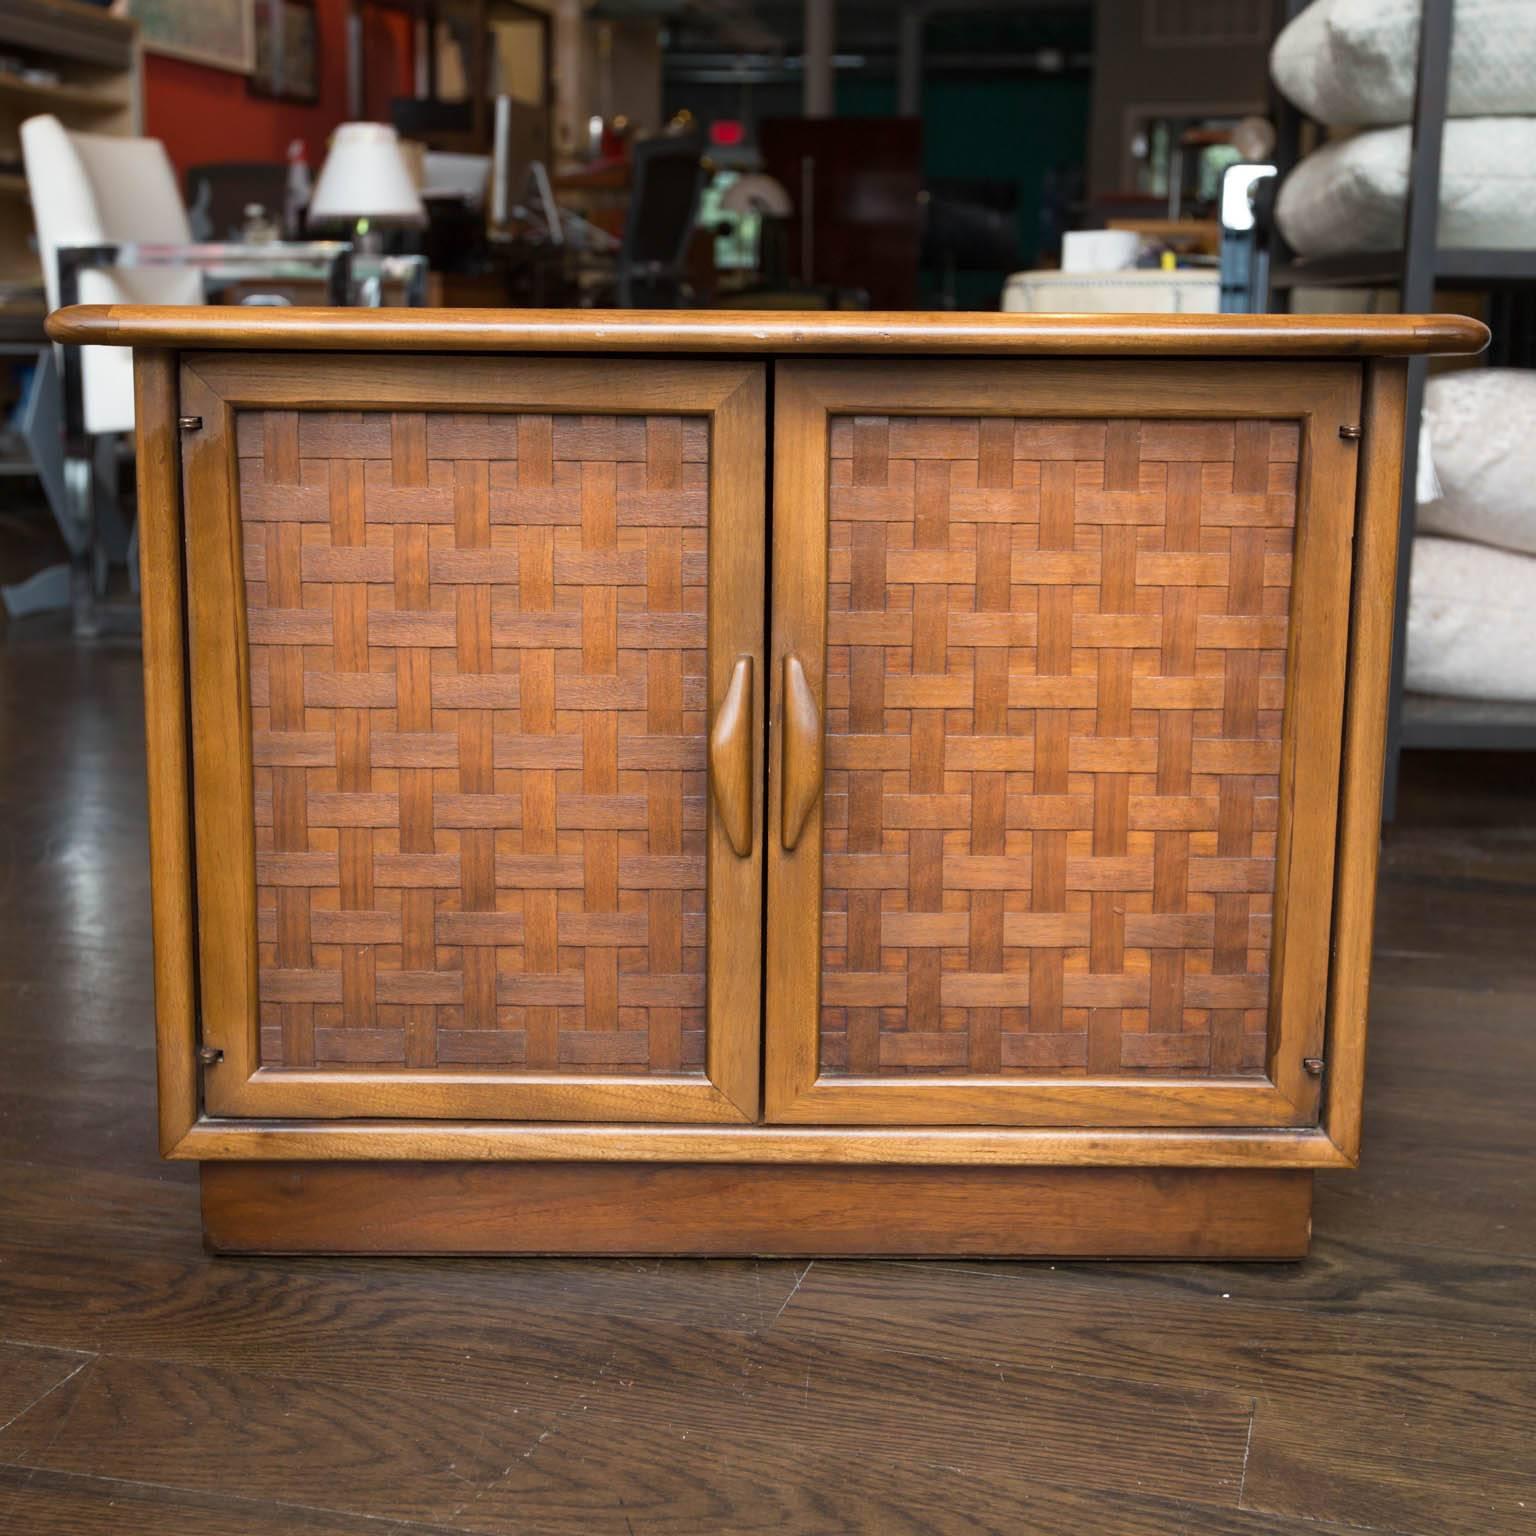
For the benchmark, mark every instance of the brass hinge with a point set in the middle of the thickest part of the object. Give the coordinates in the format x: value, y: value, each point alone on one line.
x: 1314, y: 1065
x: 209, y: 1055
x: 190, y: 423
x: 1351, y: 434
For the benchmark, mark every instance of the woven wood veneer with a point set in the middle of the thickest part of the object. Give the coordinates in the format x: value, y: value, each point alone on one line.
x: 477, y: 662
x: 1054, y: 692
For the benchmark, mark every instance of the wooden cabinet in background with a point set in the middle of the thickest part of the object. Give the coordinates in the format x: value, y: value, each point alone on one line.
x: 513, y: 894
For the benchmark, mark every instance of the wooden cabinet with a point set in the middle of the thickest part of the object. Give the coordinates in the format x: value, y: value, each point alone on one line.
x: 454, y: 661
x: 1072, y: 855
x: 512, y: 894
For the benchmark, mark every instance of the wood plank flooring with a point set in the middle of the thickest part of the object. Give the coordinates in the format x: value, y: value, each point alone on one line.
x: 1388, y: 1384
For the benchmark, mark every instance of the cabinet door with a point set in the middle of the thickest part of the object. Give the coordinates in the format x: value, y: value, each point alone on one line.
x: 1058, y: 670
x: 475, y: 660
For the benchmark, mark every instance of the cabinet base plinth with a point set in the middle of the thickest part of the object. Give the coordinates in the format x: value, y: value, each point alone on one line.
x: 755, y: 1209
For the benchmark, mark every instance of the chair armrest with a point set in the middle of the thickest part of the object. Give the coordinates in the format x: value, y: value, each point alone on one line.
x: 330, y: 259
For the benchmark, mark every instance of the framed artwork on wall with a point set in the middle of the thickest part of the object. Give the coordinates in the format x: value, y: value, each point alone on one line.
x: 220, y: 33
x: 287, y: 51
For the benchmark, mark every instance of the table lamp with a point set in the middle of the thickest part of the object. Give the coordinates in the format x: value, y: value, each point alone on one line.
x: 366, y: 183
x: 758, y: 194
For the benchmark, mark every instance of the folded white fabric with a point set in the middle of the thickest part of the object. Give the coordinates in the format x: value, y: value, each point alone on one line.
x: 1348, y: 62
x: 1481, y: 423
x: 1471, y: 621
x: 1351, y: 195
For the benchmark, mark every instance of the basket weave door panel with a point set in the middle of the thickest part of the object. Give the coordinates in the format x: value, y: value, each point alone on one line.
x: 478, y: 689
x: 1055, y: 682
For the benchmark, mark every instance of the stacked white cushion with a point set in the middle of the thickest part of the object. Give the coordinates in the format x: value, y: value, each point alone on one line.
x: 1183, y: 292
x: 1481, y: 426
x: 1352, y: 194
x: 1347, y: 62
x: 1471, y: 621
x: 1354, y: 63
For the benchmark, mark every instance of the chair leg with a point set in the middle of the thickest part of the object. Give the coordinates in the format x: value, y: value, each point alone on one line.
x: 79, y: 528
x: 111, y: 527
x: 45, y: 591
x: 77, y: 520
x: 42, y: 426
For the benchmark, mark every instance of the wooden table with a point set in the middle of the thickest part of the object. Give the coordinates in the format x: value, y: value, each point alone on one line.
x: 571, y: 835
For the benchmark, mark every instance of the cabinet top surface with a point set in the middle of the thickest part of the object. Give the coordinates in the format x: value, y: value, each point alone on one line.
x: 778, y: 332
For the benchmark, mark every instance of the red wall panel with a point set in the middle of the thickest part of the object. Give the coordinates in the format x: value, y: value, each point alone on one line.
x: 205, y: 115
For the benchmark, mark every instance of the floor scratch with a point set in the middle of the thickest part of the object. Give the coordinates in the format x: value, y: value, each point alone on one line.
x: 799, y: 1281
x: 43, y: 1397
x: 1242, y: 1480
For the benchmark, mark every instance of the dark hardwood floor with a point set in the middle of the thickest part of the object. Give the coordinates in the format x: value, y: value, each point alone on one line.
x: 1387, y: 1384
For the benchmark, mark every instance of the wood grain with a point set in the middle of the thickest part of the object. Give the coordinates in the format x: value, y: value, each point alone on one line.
x: 1096, y: 958
x: 1056, y: 668
x: 479, y: 651
x: 219, y: 715
x: 1316, y: 680
x: 29, y: 1374
x: 737, y: 580
x: 798, y: 616
x: 611, y: 1208
x: 652, y: 1425
x: 1365, y: 728
x: 1383, y: 1385
x: 158, y: 466
x: 479, y: 701
x: 45, y: 1503
x: 448, y: 330
x: 995, y: 1146
x: 1315, y: 1378
x: 1065, y: 776
x: 801, y: 768
x: 781, y: 1487
x: 731, y: 763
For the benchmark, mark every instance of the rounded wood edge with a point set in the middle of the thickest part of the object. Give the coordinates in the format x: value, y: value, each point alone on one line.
x: 460, y: 1141
x: 871, y: 333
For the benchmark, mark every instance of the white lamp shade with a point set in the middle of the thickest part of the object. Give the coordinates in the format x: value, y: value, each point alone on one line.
x: 365, y: 177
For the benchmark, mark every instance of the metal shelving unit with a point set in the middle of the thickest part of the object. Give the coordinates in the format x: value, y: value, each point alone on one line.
x: 1374, y: 269
x: 1417, y: 271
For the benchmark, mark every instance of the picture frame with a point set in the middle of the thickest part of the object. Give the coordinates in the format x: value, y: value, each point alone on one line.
x: 218, y: 33
x: 287, y: 62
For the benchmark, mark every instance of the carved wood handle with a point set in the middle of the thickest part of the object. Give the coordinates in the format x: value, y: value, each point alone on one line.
x: 730, y: 759
x: 802, y: 752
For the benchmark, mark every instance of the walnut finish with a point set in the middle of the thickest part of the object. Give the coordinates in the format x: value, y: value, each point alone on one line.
x: 731, y: 764
x: 165, y: 709
x: 667, y: 1209
x: 1056, y: 673
x: 1058, y: 643
x: 773, y: 333
x: 475, y: 657
x: 1052, y: 801
x: 478, y: 686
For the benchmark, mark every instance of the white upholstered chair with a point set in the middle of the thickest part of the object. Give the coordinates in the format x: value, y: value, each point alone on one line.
x: 112, y: 229
x: 94, y: 190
